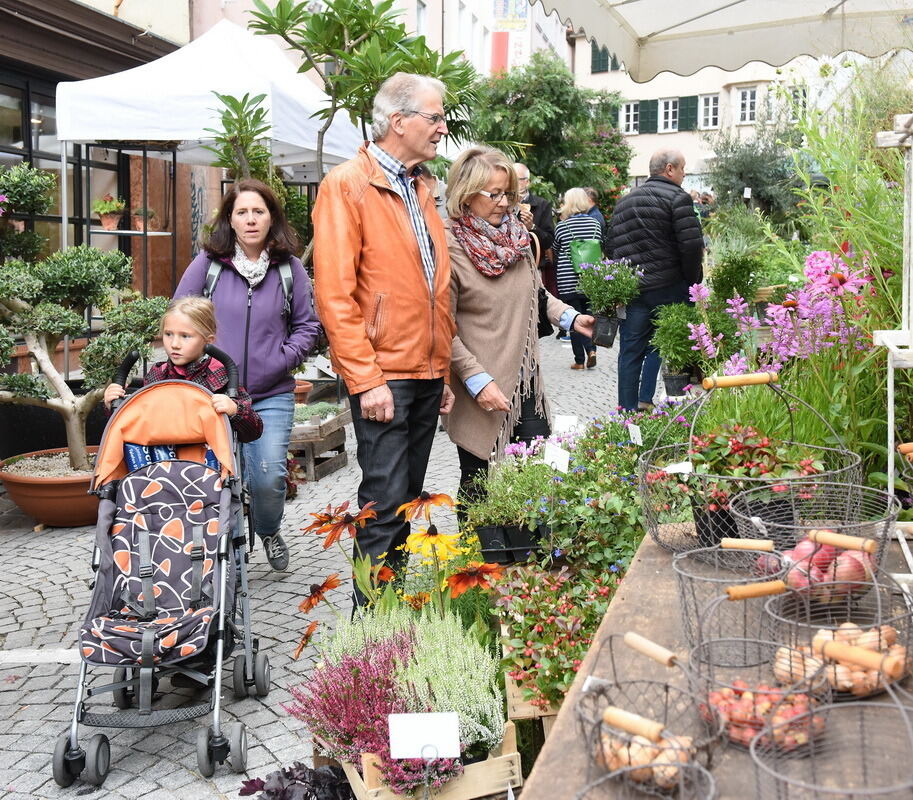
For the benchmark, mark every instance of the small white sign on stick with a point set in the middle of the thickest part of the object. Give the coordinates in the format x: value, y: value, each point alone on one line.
x: 556, y: 457
x: 562, y: 423
x: 635, y: 434
x: 679, y: 468
x: 428, y: 736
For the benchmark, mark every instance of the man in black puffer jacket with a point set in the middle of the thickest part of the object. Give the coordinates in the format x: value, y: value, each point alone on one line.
x: 655, y: 227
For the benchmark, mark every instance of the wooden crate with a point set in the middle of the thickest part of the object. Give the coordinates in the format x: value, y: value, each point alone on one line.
x: 314, y: 433
x: 484, y: 778
x: 518, y: 708
x: 319, y: 457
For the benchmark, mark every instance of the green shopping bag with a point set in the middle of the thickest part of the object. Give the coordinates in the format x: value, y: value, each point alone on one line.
x: 585, y: 251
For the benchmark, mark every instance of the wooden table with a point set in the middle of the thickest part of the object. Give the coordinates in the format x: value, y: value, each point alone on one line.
x: 646, y: 602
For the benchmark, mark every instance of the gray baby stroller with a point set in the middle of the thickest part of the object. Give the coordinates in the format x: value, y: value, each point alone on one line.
x: 171, y: 572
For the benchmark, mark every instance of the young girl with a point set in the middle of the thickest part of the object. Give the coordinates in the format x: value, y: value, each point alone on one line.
x: 188, y: 326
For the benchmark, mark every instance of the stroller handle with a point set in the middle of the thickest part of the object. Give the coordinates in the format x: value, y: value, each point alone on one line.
x: 123, y: 371
x: 230, y: 366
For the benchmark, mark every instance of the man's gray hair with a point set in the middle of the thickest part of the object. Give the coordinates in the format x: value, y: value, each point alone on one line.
x: 399, y: 93
x: 661, y: 158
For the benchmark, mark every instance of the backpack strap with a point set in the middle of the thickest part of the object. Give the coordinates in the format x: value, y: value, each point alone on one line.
x: 212, y: 278
x: 285, y: 275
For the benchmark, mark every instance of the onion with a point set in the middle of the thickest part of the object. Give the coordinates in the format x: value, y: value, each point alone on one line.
x: 824, y: 555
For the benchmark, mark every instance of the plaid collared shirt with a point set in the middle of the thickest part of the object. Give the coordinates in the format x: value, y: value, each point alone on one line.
x: 404, y: 186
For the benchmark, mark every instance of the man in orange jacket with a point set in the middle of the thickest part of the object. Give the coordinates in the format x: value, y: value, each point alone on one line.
x: 382, y: 285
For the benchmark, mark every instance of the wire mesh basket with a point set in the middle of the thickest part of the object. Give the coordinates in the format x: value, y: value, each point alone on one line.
x: 862, y: 638
x: 652, y: 725
x: 854, y: 750
x: 788, y: 514
x: 703, y: 575
x: 685, y: 781
x: 687, y: 506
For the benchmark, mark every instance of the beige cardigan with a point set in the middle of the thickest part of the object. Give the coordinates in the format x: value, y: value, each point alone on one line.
x: 496, y: 332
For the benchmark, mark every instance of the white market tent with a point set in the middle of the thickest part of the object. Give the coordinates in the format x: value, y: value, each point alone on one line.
x: 652, y: 36
x: 171, y: 100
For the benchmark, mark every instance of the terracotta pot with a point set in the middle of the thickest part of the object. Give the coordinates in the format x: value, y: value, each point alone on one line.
x: 111, y: 222
x: 302, y: 390
x: 61, y: 502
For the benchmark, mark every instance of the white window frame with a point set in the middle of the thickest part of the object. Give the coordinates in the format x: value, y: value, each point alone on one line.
x: 668, y: 115
x: 798, y: 101
x: 748, y: 104
x: 421, y: 17
x: 629, y: 118
x: 708, y: 111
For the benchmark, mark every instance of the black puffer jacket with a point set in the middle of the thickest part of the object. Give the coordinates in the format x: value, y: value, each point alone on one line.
x: 656, y: 228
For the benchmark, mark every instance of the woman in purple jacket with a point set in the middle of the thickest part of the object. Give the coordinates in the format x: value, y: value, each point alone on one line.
x: 267, y: 324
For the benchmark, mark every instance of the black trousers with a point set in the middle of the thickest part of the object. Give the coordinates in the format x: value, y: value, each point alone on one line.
x: 528, y: 427
x: 393, y: 457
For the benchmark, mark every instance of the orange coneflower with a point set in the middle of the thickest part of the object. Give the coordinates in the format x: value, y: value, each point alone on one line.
x: 306, y: 639
x: 318, y: 590
x: 422, y: 505
x: 474, y: 574
x: 332, y: 523
x: 417, y: 600
x: 382, y: 573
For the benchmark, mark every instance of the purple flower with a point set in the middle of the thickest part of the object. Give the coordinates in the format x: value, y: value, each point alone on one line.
x: 698, y: 293
x: 704, y: 341
x: 736, y: 364
x: 739, y: 310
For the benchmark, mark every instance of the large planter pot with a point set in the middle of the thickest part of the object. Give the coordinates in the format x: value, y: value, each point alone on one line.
x: 302, y: 390
x: 507, y: 544
x: 675, y: 382
x: 61, y: 502
x: 605, y: 330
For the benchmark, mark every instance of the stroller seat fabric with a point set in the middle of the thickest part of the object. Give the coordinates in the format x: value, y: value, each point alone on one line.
x: 164, y: 545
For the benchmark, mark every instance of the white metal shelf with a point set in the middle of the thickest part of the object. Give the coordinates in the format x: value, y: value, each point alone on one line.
x: 105, y: 232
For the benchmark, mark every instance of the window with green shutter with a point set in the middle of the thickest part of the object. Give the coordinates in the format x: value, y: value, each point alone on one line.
x: 687, y: 113
x: 599, y: 58
x: 648, y: 115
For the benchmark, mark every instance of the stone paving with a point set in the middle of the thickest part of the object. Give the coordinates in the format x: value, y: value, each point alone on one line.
x: 44, y: 592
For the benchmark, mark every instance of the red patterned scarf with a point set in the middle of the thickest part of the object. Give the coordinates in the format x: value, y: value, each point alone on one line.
x: 491, y: 249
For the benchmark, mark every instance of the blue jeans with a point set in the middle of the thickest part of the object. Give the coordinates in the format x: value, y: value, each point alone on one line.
x: 648, y: 375
x: 265, y: 462
x: 580, y: 344
x: 636, y: 331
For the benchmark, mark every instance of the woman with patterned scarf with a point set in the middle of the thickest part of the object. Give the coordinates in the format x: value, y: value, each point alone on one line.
x: 494, y: 299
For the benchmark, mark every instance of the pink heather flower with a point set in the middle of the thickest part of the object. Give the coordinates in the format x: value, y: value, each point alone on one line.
x: 698, y: 293
x: 704, y: 342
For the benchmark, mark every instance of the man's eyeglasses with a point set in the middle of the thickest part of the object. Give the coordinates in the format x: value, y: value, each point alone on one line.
x: 434, y: 119
x: 495, y: 197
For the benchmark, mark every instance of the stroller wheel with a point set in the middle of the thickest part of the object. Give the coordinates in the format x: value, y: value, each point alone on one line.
x: 123, y: 698
x: 98, y: 760
x: 237, y: 755
x: 66, y: 770
x: 239, y: 686
x: 205, y: 762
x: 261, y: 674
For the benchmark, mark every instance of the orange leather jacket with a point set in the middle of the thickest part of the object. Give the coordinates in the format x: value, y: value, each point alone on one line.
x: 372, y: 296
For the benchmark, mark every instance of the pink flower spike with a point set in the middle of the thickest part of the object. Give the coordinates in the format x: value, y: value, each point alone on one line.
x: 697, y: 293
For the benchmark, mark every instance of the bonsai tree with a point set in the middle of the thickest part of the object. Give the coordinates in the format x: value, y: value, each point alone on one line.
x: 43, y: 301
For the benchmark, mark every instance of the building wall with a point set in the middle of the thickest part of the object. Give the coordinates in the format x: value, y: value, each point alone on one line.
x: 169, y: 19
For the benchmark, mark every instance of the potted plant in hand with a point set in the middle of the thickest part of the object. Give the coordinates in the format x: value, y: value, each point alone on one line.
x: 608, y: 285
x: 110, y: 211
x: 142, y: 218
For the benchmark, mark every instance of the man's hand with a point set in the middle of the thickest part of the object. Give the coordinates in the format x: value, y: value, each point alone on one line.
x: 491, y: 398
x: 583, y: 323
x: 377, y: 404
x: 447, y: 398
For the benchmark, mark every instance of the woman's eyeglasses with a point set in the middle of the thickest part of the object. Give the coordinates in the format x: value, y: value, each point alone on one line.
x: 434, y: 119
x: 495, y: 197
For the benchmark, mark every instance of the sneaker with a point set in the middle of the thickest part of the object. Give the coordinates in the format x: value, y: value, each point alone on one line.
x: 591, y: 360
x: 564, y: 337
x: 276, y: 551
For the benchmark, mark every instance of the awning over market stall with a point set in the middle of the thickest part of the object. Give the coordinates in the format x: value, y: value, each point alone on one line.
x: 652, y: 36
x: 171, y: 100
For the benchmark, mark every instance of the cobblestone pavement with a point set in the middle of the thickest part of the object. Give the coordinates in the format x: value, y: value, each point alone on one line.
x: 44, y: 592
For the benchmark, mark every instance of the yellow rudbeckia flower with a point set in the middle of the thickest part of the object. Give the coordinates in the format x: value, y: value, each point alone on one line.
x: 430, y: 542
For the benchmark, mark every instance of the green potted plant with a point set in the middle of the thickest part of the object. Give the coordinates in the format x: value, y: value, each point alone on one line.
x: 110, y: 211
x: 40, y: 304
x: 676, y: 349
x: 142, y: 218
x: 735, y: 272
x: 608, y: 285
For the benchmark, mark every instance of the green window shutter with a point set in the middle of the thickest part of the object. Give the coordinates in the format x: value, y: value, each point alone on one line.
x: 614, y: 65
x: 599, y: 58
x: 687, y: 113
x: 648, y: 116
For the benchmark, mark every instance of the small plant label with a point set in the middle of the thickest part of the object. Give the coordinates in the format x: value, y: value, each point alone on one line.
x: 679, y: 468
x: 323, y: 364
x: 428, y: 736
x: 564, y: 423
x: 556, y: 457
x: 635, y: 434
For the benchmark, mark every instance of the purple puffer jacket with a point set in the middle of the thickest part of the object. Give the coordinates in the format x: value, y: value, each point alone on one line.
x: 251, y: 327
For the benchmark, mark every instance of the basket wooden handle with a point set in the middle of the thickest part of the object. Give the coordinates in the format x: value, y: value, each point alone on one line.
x: 633, y: 723
x: 891, y: 666
x: 751, y: 379
x: 749, y: 590
x: 843, y: 541
x: 650, y: 649
x: 905, y: 449
x: 766, y: 545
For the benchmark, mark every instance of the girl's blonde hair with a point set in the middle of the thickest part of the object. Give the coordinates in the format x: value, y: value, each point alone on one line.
x: 470, y: 172
x: 200, y: 311
x: 575, y: 202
